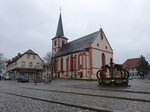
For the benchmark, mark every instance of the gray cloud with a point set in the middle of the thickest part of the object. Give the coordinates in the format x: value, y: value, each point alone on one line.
x: 31, y: 24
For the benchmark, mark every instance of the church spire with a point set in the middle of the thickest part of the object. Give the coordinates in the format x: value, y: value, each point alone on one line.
x: 60, y: 32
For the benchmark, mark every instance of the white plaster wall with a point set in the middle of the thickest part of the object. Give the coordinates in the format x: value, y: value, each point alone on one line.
x: 98, y: 48
x: 34, y: 61
x: 103, y: 43
x: 58, y: 44
x: 97, y: 58
x: 24, y: 58
x: 60, y: 41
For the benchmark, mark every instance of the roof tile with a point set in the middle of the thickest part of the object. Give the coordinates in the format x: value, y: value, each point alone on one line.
x: 131, y: 63
x: 77, y: 45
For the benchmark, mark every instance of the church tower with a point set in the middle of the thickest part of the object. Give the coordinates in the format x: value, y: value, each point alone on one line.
x: 59, y: 40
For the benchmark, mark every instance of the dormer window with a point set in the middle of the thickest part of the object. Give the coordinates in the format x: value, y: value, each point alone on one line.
x: 15, y: 64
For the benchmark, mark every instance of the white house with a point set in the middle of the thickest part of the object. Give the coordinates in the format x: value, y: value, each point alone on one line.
x: 28, y: 63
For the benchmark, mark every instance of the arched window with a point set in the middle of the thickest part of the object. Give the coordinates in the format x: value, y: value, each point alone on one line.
x: 71, y: 63
x: 80, y: 64
x: 74, y: 62
x: 67, y: 66
x: 103, y: 59
x: 61, y: 65
x: 78, y: 61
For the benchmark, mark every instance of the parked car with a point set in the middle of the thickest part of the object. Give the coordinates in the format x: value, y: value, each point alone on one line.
x: 23, y: 79
x: 7, y: 77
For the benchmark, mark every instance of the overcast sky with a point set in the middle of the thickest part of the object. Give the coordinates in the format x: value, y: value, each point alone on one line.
x: 31, y: 24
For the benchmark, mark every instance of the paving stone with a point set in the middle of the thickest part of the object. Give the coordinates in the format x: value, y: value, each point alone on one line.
x: 9, y: 102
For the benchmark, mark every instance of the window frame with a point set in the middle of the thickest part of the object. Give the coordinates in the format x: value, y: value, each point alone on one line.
x: 30, y: 64
x: 28, y: 56
x: 23, y: 64
x: 34, y: 56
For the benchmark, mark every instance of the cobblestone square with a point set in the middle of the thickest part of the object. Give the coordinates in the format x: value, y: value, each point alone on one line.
x: 74, y: 96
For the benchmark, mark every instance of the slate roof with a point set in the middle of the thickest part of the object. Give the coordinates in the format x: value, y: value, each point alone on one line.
x: 60, y: 32
x: 77, y: 45
x: 131, y: 63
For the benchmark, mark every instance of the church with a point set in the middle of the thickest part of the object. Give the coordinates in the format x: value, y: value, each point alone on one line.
x: 80, y: 58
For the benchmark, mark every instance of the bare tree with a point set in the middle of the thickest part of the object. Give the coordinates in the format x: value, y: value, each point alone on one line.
x: 2, y: 62
x: 48, y: 59
x: 48, y: 66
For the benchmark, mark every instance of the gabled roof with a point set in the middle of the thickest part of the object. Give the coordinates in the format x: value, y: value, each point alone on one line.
x: 77, y: 45
x: 131, y: 63
x: 20, y: 55
x: 30, y: 52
